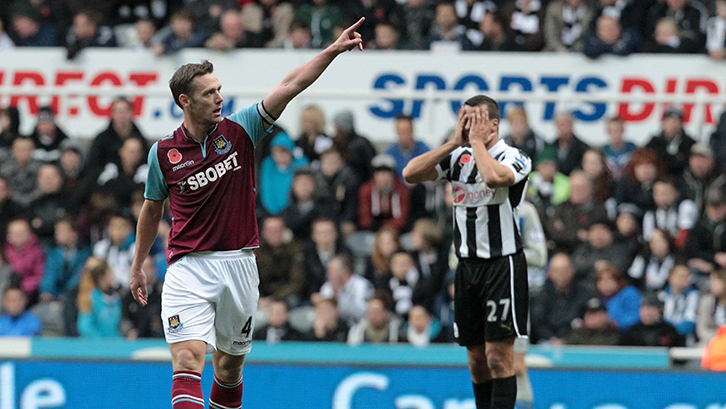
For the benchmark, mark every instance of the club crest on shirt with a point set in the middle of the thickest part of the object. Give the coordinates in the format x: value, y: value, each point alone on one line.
x: 174, y: 156
x: 221, y: 145
x: 175, y: 324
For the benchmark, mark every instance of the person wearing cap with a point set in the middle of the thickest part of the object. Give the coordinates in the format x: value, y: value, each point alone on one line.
x: 672, y: 144
x: 356, y: 149
x: 595, y: 327
x: 706, y: 243
x: 384, y: 200
x: 547, y: 186
x: 651, y: 330
x: 47, y: 136
x: 30, y: 31
x: 276, y: 174
x: 701, y: 172
x: 407, y: 147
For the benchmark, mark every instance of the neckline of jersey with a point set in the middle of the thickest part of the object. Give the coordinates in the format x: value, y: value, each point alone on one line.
x: 203, y: 145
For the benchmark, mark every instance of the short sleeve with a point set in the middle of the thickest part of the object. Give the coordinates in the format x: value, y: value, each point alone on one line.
x: 518, y: 162
x: 442, y: 169
x: 156, y: 188
x: 251, y: 120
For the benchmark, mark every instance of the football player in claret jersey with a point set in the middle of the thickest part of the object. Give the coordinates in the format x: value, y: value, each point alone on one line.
x: 488, y: 180
x: 206, y: 170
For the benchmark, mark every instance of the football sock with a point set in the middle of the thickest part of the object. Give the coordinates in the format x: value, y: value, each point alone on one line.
x: 504, y: 392
x: 225, y: 396
x: 524, y: 392
x: 483, y: 395
x: 186, y: 390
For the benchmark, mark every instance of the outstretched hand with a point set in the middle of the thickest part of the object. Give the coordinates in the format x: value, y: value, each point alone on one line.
x: 350, y: 39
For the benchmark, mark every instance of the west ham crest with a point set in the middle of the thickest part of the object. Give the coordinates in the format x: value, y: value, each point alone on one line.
x: 221, y: 145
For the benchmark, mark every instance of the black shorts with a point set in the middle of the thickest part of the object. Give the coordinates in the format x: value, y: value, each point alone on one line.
x: 492, y: 299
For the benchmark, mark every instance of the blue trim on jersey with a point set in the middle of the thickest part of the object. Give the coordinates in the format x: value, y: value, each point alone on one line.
x: 250, y: 119
x: 156, y: 188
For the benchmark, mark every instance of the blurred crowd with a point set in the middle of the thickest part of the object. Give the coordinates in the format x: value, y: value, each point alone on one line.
x: 592, y: 27
x: 626, y: 244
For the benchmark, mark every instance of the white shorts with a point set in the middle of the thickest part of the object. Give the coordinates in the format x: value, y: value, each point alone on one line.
x: 212, y: 297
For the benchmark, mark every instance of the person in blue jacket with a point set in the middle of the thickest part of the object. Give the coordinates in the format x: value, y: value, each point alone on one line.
x: 16, y: 321
x: 64, y: 261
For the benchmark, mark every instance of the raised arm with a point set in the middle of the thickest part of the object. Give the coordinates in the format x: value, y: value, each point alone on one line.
x: 146, y: 231
x: 301, y: 77
x: 423, y: 167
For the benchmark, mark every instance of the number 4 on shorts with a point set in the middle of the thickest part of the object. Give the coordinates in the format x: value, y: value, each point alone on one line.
x: 247, y: 328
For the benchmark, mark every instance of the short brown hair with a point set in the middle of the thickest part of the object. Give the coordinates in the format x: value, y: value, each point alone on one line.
x: 181, y: 81
x: 491, y: 105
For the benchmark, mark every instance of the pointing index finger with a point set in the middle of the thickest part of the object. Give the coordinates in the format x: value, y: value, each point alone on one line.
x: 356, y: 25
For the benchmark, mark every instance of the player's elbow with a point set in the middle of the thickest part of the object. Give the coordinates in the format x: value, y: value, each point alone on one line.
x: 408, y: 175
x: 497, y: 181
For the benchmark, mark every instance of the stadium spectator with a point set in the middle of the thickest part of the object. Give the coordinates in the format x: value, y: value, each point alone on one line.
x: 99, y: 305
x: 630, y: 13
x: 313, y: 141
x: 493, y: 34
x: 380, y: 325
x: 609, y: 37
x: 51, y: 203
x: 596, y: 327
x: 566, y: 225
x: 430, y: 252
x: 340, y: 183
x: 64, y: 261
x: 593, y: 165
x: 276, y: 174
x: 129, y: 174
x: 232, y: 34
x: 716, y: 32
x: 47, y: 136
x: 472, y: 12
x: 21, y: 170
x: 653, y: 264
x: 386, y: 37
x: 524, y: 22
x: 306, y: 204
x: 377, y: 12
x: 621, y: 300
x: 446, y: 31
x: 16, y: 320
x: 141, y: 36
x: 324, y: 244
x: 561, y: 293
x: 600, y: 246
x: 9, y: 128
x: 419, y: 16
x: 521, y: 136
x: 117, y: 250
x: 628, y: 223
x: 700, y: 173
x: 674, y: 214
x: 87, y: 31
x: 107, y: 144
x: 6, y: 43
x: 404, y: 278
x: 156, y: 12
x: 567, y: 23
x: 94, y: 216
x: 712, y: 307
x: 183, y: 34
x: 706, y: 243
x: 406, y: 147
x: 328, y: 326
x: 321, y: 16
x: 672, y: 144
x: 651, y: 330
x: 617, y: 151
x: 357, y: 150
x: 270, y: 20
x: 280, y: 263
x: 278, y: 327
x: 680, y: 301
x: 430, y: 200
x: 206, y: 14
x: 422, y: 328
x: 25, y: 256
x: 349, y: 290
x: 9, y: 208
x: 71, y: 165
x: 568, y: 147
x: 298, y: 36
x: 144, y: 322
x: 30, y: 31
x: 714, y: 356
x: 636, y: 186
x: 547, y: 186
x: 386, y: 242
x: 384, y: 200
x: 690, y: 16
x: 668, y: 38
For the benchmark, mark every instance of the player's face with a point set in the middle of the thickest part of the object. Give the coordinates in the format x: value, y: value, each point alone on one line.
x: 205, y: 101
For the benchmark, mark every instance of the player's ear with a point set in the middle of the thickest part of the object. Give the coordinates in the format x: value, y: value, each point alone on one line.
x: 184, y: 100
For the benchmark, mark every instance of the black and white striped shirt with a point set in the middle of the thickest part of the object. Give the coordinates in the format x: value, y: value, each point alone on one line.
x: 485, y: 219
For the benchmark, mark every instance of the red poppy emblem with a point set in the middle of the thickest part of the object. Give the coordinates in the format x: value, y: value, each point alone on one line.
x: 465, y: 158
x: 174, y: 156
